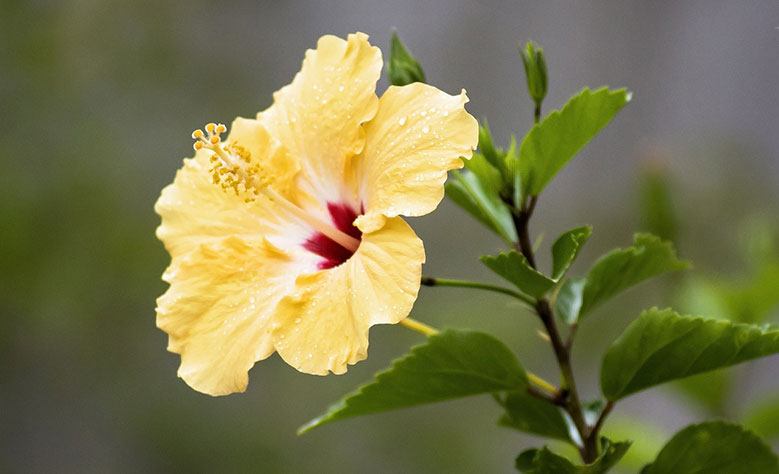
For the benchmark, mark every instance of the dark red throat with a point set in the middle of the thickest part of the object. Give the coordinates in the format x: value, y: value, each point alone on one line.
x: 331, y: 251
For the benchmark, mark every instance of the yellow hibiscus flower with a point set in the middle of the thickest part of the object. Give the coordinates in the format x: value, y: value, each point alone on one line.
x: 285, y: 236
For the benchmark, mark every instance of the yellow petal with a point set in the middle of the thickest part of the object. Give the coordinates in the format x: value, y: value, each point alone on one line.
x: 276, y: 161
x: 318, y: 116
x: 217, y: 310
x: 323, y: 326
x: 194, y: 210
x: 417, y: 135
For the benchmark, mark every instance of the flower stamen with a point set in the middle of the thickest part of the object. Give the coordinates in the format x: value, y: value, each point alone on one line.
x: 235, y: 169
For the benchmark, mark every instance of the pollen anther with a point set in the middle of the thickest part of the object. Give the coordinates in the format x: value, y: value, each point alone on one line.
x: 233, y: 166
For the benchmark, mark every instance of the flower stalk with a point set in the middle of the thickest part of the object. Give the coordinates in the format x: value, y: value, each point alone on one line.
x: 568, y: 397
x: 419, y: 327
x: 429, y: 281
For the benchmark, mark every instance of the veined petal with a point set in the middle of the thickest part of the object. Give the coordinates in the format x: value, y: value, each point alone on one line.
x: 217, y: 311
x: 318, y: 116
x: 194, y: 210
x: 323, y: 326
x: 417, y: 135
x: 275, y: 158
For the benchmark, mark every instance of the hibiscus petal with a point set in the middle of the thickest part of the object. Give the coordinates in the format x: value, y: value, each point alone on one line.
x: 417, y: 135
x: 217, y: 311
x: 275, y: 158
x: 323, y: 325
x: 194, y: 210
x: 318, y: 116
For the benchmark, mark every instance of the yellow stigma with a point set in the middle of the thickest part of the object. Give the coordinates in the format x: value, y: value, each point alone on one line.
x: 233, y: 167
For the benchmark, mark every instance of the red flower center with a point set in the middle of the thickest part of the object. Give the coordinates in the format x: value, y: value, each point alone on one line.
x: 331, y: 251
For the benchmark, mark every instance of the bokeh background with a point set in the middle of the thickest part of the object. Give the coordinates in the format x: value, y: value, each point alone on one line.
x: 97, y: 101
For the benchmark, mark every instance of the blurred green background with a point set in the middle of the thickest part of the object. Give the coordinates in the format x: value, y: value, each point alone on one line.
x: 97, y: 100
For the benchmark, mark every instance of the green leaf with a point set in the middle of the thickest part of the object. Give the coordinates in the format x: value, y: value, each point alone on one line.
x: 648, y: 437
x: 495, y: 156
x: 661, y: 345
x: 527, y: 413
x: 452, y: 364
x: 512, y: 167
x: 714, y: 448
x: 709, y: 389
x: 568, y: 301
x: 544, y: 461
x: 514, y: 267
x: 482, y: 203
x: 622, y: 268
x: 489, y: 177
x: 402, y: 68
x: 763, y: 417
x: 753, y: 300
x: 658, y: 215
x: 552, y: 143
x: 566, y: 248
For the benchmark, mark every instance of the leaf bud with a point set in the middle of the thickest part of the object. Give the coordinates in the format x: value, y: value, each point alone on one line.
x: 402, y: 68
x: 535, y: 71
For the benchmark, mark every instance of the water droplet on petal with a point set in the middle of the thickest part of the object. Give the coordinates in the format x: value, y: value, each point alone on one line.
x: 402, y: 121
x: 425, y: 129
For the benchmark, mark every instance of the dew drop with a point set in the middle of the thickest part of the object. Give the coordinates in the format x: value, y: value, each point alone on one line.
x: 425, y: 129
x: 402, y: 121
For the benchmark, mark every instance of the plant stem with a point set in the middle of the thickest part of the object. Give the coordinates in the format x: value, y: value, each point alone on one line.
x: 601, y: 418
x: 554, y: 399
x: 417, y: 326
x: 569, y: 398
x: 521, y: 220
x: 572, y: 404
x: 428, y: 281
x: 551, y: 389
